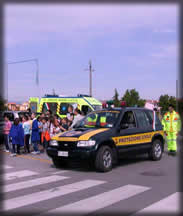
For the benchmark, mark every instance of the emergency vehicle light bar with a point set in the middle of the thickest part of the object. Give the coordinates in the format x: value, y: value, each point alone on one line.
x: 82, y: 95
x: 123, y: 103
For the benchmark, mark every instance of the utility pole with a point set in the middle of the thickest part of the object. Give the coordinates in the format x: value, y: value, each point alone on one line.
x: 90, y: 77
x: 177, y: 94
x: 54, y: 92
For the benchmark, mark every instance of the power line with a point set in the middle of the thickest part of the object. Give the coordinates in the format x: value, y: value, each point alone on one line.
x: 24, y: 61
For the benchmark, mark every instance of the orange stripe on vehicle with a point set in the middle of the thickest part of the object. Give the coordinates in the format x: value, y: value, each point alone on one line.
x: 65, y: 139
x: 92, y: 133
x: 136, y: 138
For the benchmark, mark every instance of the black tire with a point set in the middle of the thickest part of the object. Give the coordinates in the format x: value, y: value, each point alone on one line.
x: 59, y: 163
x: 156, y: 151
x: 104, y: 159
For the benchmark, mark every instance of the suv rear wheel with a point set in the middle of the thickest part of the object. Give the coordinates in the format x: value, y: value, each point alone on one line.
x: 104, y: 159
x: 156, y: 150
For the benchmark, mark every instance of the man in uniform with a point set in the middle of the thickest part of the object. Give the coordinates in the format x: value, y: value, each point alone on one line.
x: 171, y: 126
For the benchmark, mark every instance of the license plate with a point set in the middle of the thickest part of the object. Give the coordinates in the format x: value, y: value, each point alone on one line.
x: 63, y: 153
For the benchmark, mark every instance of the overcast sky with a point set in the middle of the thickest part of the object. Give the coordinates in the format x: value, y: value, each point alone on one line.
x: 131, y: 46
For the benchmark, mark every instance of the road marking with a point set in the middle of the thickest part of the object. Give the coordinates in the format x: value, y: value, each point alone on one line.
x: 169, y: 204
x: 6, y: 167
x: 32, y: 158
x: 18, y: 174
x: 49, y: 194
x: 60, y: 172
x: 32, y: 183
x: 94, y: 203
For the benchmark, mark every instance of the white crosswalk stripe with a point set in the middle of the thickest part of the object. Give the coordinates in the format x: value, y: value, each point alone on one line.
x: 32, y: 183
x: 100, y: 201
x: 169, y: 204
x: 49, y: 194
x: 6, y: 167
x: 60, y: 172
x: 18, y: 174
x: 83, y: 205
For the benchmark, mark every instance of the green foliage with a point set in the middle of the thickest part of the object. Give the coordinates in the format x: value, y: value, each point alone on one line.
x: 165, y: 100
x: 116, y: 99
x: 141, y: 103
x: 132, y: 98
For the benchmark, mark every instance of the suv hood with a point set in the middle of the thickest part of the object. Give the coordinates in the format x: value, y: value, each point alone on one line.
x: 78, y: 134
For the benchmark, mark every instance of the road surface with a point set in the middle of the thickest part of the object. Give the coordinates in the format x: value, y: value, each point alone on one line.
x: 31, y: 184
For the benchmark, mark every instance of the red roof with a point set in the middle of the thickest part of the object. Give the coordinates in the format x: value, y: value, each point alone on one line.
x: 12, y: 103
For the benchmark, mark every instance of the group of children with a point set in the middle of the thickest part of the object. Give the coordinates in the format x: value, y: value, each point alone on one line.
x: 28, y: 130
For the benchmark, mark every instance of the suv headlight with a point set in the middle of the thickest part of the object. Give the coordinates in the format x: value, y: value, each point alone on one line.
x: 53, y: 143
x: 86, y: 143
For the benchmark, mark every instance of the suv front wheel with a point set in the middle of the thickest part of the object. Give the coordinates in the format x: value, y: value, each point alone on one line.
x: 156, y: 150
x: 104, y: 159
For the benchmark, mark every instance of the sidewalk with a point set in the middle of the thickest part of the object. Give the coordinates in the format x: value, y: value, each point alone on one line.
x: 42, y: 155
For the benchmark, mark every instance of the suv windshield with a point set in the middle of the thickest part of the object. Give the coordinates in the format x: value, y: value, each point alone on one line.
x: 100, y: 119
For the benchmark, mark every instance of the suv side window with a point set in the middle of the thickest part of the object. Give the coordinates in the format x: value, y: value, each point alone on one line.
x: 150, y: 113
x: 86, y: 109
x: 129, y: 119
x: 142, y: 118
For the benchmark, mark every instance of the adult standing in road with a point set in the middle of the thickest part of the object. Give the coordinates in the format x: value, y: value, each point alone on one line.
x: 35, y: 134
x: 26, y: 127
x: 40, y: 127
x: 51, y: 126
x: 45, y: 137
x: 70, y: 114
x: 64, y: 125
x: 77, y: 117
x: 17, y: 136
x: 171, y: 125
x: 30, y: 122
x: 56, y: 128
x: 42, y: 115
x: 49, y: 113
x: 7, y: 127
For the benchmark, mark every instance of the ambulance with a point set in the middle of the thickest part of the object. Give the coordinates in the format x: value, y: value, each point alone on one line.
x: 59, y: 104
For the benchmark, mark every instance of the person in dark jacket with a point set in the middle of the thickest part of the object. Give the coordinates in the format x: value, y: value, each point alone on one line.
x: 17, y: 136
x: 35, y: 134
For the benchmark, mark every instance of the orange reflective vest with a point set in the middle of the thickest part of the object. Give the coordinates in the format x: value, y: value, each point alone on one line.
x: 103, y: 121
x: 171, y: 122
x: 45, y: 135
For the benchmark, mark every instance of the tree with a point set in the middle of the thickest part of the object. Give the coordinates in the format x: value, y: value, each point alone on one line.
x: 116, y: 99
x: 132, y: 98
x: 141, y: 103
x: 164, y: 101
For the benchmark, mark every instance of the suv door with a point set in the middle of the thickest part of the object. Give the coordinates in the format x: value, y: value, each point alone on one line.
x: 145, y: 127
x: 158, y: 125
x: 144, y: 123
x: 126, y: 137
